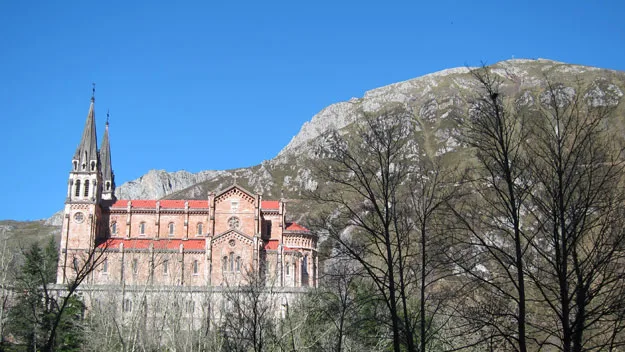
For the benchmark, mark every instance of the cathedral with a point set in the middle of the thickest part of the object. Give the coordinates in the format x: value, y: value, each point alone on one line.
x: 224, y: 240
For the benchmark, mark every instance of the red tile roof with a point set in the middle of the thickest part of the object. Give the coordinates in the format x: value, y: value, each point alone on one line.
x: 292, y: 226
x: 165, y: 204
x: 198, y: 204
x: 113, y: 243
x: 120, y: 203
x: 272, y: 244
x: 139, y: 203
x: 270, y: 204
x: 179, y: 204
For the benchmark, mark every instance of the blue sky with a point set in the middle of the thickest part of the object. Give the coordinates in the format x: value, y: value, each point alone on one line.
x: 226, y: 84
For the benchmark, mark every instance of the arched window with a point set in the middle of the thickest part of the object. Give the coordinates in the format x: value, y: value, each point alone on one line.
x: 305, y: 265
x: 135, y: 266
x: 108, y: 185
x: 127, y: 306
x: 171, y: 228
x: 231, y: 261
x: 166, y: 267
x: 114, y: 228
x: 224, y: 264
x: 195, y: 267
x: 142, y: 228
x: 105, y: 266
x: 93, y: 166
x: 189, y: 306
x: 75, y: 263
x: 75, y: 164
x: 199, y: 228
x: 238, y: 263
x: 86, y: 188
x: 77, y: 192
x: 286, y: 268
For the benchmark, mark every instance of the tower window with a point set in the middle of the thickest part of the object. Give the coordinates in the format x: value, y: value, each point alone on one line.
x: 238, y: 264
x: 105, y: 266
x: 92, y: 165
x: 75, y: 162
x: 114, y: 228
x: 135, y: 266
x: 286, y: 267
x: 199, y: 228
x: 171, y: 228
x: 305, y: 265
x: 166, y: 267
x: 108, y: 185
x: 75, y: 263
x: 77, y: 192
x: 195, y: 267
x: 86, y: 188
x: 142, y: 228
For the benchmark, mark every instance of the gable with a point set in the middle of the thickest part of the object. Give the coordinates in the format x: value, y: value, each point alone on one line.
x: 225, y: 236
x: 235, y: 193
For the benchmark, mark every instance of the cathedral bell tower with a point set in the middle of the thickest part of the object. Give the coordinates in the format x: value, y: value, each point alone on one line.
x: 91, y: 181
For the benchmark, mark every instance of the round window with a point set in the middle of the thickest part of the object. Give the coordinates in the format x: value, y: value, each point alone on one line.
x: 234, y: 222
x: 79, y: 217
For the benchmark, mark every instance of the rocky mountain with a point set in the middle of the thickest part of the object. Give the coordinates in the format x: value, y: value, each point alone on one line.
x: 439, y: 98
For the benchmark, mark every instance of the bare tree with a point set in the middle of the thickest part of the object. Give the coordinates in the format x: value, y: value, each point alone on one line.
x: 577, y: 165
x: 433, y: 184
x: 248, y: 314
x: 342, y: 310
x: 155, y: 313
x: 492, y: 255
x: 6, y: 285
x: 364, y: 175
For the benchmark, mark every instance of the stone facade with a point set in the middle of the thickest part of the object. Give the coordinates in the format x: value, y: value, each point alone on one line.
x: 222, y: 241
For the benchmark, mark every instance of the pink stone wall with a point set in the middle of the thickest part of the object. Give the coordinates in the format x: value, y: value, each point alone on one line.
x: 222, y: 240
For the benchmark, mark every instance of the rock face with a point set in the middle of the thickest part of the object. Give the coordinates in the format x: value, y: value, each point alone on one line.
x: 440, y: 99
x: 55, y: 220
x: 157, y: 184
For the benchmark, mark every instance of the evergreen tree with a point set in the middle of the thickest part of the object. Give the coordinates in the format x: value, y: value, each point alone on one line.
x: 36, y: 307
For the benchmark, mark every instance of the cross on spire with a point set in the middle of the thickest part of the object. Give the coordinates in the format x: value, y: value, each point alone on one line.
x: 92, y: 91
x: 107, y: 117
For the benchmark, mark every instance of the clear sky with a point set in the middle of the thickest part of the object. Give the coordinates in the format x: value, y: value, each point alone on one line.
x: 226, y: 84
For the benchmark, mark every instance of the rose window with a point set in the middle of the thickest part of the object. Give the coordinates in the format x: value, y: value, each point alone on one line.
x: 79, y: 217
x: 234, y: 222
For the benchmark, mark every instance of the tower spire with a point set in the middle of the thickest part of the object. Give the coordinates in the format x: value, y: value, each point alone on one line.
x: 108, y: 177
x: 86, y: 155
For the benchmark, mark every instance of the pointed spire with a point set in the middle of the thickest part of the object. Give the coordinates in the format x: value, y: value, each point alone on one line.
x: 108, y: 178
x: 87, y: 150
